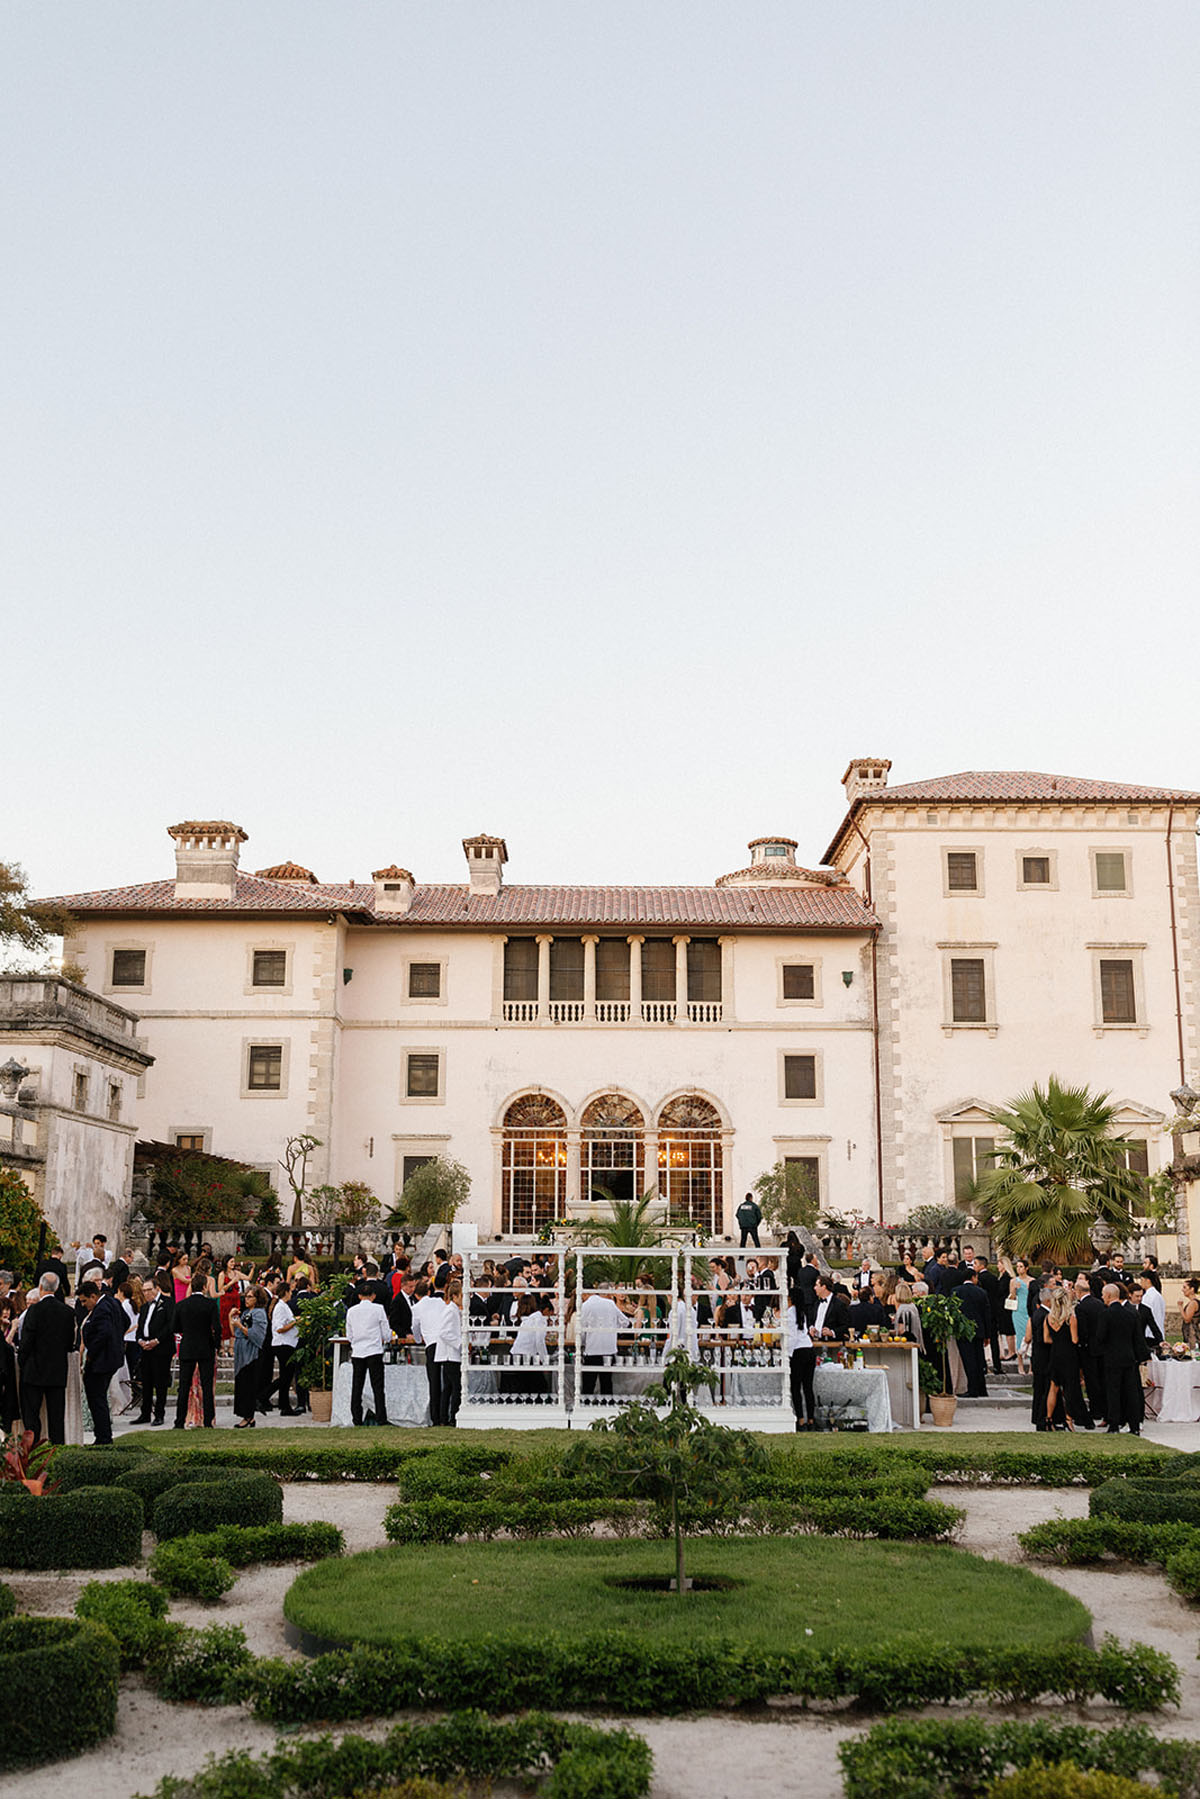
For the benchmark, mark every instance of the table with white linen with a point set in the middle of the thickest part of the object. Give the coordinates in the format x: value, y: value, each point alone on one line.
x: 835, y: 1386
x: 405, y: 1388
x: 1173, y: 1397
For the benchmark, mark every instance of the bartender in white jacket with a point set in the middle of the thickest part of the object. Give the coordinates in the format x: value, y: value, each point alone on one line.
x: 448, y: 1353
x: 369, y: 1333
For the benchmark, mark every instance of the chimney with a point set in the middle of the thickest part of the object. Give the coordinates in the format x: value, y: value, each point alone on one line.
x: 206, y: 858
x: 486, y: 857
x: 393, y: 892
x: 865, y: 775
x: 772, y: 853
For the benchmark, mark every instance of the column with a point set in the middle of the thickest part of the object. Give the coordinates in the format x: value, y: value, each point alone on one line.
x: 635, y: 977
x: 589, y: 978
x: 571, y: 1199
x: 681, y: 950
x: 543, y: 1000
x: 727, y: 1012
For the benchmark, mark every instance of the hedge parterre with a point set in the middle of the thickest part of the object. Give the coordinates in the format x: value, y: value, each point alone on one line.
x: 961, y: 1760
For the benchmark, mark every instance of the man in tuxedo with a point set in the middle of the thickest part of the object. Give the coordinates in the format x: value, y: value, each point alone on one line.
x: 1089, y: 1310
x: 47, y: 1339
x: 862, y: 1280
x: 833, y: 1312
x: 198, y: 1321
x: 806, y: 1286
x: 156, y: 1340
x: 974, y: 1302
x: 989, y: 1284
x: 866, y: 1311
x: 103, y: 1335
x: 1118, y: 1343
x: 400, y: 1310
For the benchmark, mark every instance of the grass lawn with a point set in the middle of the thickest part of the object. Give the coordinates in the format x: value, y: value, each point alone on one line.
x: 864, y: 1593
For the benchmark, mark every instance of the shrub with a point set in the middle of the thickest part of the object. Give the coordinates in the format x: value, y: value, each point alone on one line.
x: 132, y: 1610
x: 8, y: 1603
x: 209, y: 1666
x: 92, y: 1527
x: 584, y: 1762
x: 1147, y: 1502
x: 201, y: 1505
x: 151, y: 1476
x: 202, y: 1566
x: 1074, y: 1542
x: 58, y: 1687
x: 1063, y: 1780
x: 927, y: 1760
x: 1183, y: 1572
x: 73, y: 1466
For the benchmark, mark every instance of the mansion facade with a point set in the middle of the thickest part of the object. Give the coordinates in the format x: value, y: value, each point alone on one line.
x: 962, y: 937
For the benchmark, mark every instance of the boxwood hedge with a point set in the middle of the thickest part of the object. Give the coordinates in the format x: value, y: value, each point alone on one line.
x: 248, y: 1497
x: 1147, y: 1502
x: 58, y: 1688
x: 133, y: 1610
x: 91, y: 1527
x: 962, y: 1759
x: 202, y: 1566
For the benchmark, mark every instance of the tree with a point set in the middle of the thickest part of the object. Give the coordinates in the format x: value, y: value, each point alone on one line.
x: 351, y: 1205
x: 433, y: 1194
x: 21, y: 1222
x: 193, y: 1188
x: 294, y: 1163
x: 787, y: 1195
x: 679, y: 1459
x: 942, y: 1317
x: 1057, y: 1167
x: 23, y: 927
x: 630, y: 1224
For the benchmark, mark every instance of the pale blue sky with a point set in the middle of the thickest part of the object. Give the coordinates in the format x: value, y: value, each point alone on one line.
x: 589, y: 424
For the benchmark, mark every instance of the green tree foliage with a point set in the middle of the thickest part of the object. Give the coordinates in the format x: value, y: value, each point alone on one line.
x: 679, y: 1460
x: 192, y: 1188
x: 942, y: 1317
x: 352, y: 1205
x: 1057, y: 1167
x: 788, y: 1197
x: 433, y: 1194
x: 24, y: 928
x: 21, y: 1221
x: 630, y: 1224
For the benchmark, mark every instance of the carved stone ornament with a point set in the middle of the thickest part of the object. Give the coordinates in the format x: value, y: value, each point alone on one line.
x: 535, y: 1111
x: 612, y: 1111
x: 12, y: 1073
x: 690, y: 1113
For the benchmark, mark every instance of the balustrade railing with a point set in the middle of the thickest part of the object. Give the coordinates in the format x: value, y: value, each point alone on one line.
x: 612, y: 1011
x: 704, y: 1011
x: 566, y: 1011
x: 520, y: 1011
x: 658, y: 1011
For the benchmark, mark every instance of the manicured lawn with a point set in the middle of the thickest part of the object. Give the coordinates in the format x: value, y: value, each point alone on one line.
x: 845, y: 1593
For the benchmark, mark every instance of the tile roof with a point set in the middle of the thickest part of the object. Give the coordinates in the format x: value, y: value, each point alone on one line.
x: 287, y: 871
x: 1008, y: 785
x: 455, y: 906
x: 767, y: 872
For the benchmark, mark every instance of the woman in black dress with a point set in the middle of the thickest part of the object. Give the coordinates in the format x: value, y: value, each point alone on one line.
x: 1062, y: 1339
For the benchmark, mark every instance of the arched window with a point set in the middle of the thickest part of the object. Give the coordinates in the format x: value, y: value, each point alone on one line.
x: 690, y: 1172
x: 534, y: 1190
x: 612, y: 1149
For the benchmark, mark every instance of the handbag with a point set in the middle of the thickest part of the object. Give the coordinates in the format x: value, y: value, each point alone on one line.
x: 1011, y: 1303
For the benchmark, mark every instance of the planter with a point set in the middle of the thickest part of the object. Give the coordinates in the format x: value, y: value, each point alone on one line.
x: 943, y: 1406
x: 320, y: 1401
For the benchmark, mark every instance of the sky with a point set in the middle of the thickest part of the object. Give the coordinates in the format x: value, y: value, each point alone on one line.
x: 590, y: 425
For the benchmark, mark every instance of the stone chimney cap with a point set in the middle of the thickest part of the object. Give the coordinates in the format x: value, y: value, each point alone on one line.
x: 483, y: 841
x: 218, y: 827
x: 865, y: 762
x: 287, y: 871
x: 755, y: 842
x: 393, y: 874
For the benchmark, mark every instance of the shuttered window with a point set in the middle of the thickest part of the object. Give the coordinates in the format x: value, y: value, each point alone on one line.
x: 521, y: 968
x: 270, y: 968
x: 264, y: 1073
x: 425, y: 980
x: 972, y: 1157
x: 1110, y: 871
x: 658, y: 969
x: 612, y: 968
x: 799, y: 980
x: 961, y: 876
x: 968, y: 990
x: 1035, y: 871
x: 704, y: 969
x: 422, y: 1077
x: 1118, y: 1004
x: 800, y: 1077
x: 129, y: 968
x: 566, y: 968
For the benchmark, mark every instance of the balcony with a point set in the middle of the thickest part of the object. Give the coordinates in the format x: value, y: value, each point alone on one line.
x: 704, y: 1011
x: 658, y: 1011
x: 520, y: 1011
x: 566, y: 1011
x: 612, y: 1011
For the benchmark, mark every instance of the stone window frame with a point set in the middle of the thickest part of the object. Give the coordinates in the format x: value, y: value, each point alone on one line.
x: 426, y: 999
x: 815, y: 1147
x: 423, y: 1099
x: 818, y: 1057
x: 203, y: 1131
x: 1119, y: 952
x: 1111, y: 849
x: 813, y: 962
x: 81, y: 1072
x: 110, y: 947
x: 288, y: 946
x: 414, y: 1143
x: 1050, y: 886
x: 981, y: 952
x: 275, y: 1042
x: 115, y: 1102
x: 962, y: 849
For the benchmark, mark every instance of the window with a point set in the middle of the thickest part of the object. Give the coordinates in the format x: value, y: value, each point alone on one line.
x: 962, y: 871
x: 799, y: 980
x: 658, y: 969
x: 968, y: 990
x: 704, y: 970
x: 1110, y: 871
x: 192, y: 1141
x: 521, y: 969
x: 612, y: 969
x: 799, y: 1077
x: 425, y: 980
x: 1035, y: 871
x: 972, y: 1157
x: 534, y: 1164
x: 691, y: 1163
x: 811, y: 1167
x: 566, y: 968
x: 80, y: 1091
x: 775, y: 849
x: 129, y: 968
x: 422, y: 1076
x: 1137, y: 1158
x: 410, y: 1165
x: 264, y: 1068
x: 269, y: 968
x: 1118, y: 998
x: 114, y: 1101
x: 612, y: 1150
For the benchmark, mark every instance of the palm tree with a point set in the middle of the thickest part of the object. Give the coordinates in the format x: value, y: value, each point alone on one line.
x: 1057, y: 1167
x: 630, y: 1224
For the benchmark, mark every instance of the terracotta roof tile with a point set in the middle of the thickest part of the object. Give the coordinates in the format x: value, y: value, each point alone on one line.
x: 286, y: 871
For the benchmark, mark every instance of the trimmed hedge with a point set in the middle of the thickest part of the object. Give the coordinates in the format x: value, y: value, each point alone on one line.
x: 152, y: 1476
x: 1147, y: 1502
x: 201, y: 1566
x: 247, y: 1497
x: 628, y: 1673
x: 585, y: 1763
x: 58, y: 1688
x: 960, y: 1760
x: 133, y: 1610
x: 1076, y: 1542
x: 8, y: 1603
x: 91, y: 1527
x: 209, y: 1667
x: 1063, y: 1780
x: 102, y: 1465
x: 1183, y: 1571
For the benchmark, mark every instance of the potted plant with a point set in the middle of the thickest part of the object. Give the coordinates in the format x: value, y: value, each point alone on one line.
x: 942, y: 1317
x: 319, y: 1317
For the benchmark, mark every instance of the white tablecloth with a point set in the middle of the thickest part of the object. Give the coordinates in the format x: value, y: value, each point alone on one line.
x: 836, y: 1386
x: 1174, y: 1397
x: 405, y: 1386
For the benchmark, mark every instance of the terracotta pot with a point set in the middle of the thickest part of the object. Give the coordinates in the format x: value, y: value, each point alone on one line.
x: 943, y: 1406
x: 321, y: 1402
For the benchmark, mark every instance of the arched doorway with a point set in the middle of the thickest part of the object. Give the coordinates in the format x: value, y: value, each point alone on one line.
x: 612, y: 1149
x: 690, y: 1163
x: 534, y: 1167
